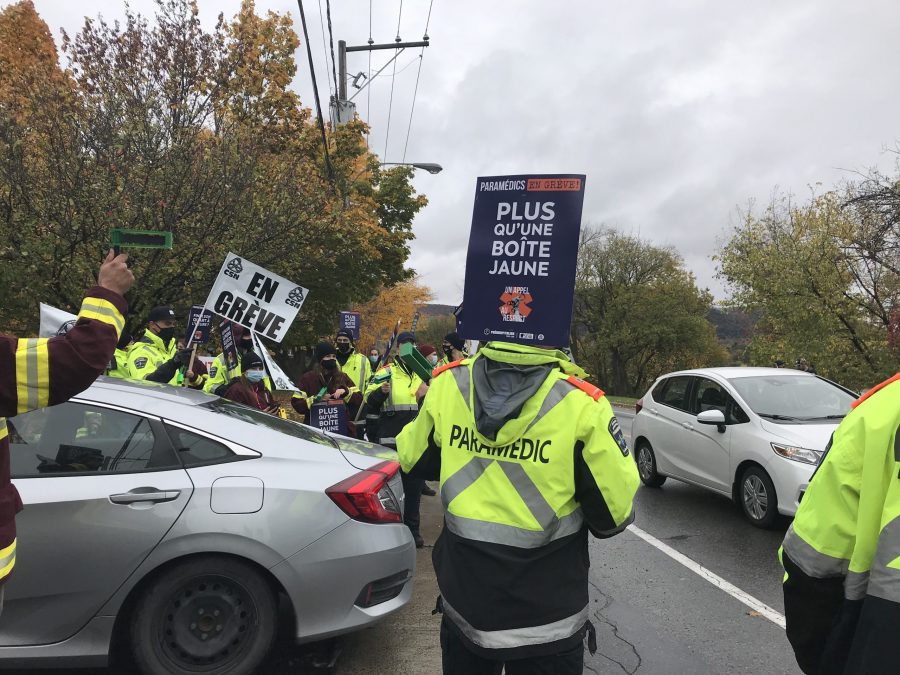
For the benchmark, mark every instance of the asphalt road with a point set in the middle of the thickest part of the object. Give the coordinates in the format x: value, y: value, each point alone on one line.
x: 653, y: 615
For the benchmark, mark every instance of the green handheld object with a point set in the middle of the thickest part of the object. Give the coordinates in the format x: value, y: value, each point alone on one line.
x: 412, y: 358
x: 382, y: 377
x: 120, y: 238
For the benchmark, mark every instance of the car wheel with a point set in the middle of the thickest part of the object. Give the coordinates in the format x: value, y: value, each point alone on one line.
x: 757, y: 496
x: 646, y: 464
x: 207, y: 615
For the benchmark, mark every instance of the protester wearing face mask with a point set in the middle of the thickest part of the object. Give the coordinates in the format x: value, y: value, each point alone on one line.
x: 430, y: 354
x: 249, y: 388
x: 326, y: 381
x: 396, y: 402
x: 218, y: 372
x: 353, y: 364
x: 156, y: 357
x: 453, y: 348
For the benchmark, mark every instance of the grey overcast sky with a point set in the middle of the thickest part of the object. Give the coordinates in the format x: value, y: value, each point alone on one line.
x: 677, y: 112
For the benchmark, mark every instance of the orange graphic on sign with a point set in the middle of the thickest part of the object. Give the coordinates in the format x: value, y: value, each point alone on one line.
x: 515, y: 305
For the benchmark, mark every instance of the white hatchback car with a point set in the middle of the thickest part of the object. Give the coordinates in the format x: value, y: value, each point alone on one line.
x: 755, y: 435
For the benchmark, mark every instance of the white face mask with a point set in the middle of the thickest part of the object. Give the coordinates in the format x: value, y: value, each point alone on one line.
x: 433, y: 359
x: 255, y: 375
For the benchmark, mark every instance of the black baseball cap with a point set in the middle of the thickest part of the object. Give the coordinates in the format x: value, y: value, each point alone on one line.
x: 406, y: 336
x: 161, y: 313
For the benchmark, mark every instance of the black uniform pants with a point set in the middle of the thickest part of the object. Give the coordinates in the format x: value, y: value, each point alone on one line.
x: 412, y: 487
x: 458, y: 660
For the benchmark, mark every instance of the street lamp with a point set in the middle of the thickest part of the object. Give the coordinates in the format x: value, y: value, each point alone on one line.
x: 429, y: 167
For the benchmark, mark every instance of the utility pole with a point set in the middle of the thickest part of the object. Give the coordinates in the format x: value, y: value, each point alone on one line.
x: 343, y: 109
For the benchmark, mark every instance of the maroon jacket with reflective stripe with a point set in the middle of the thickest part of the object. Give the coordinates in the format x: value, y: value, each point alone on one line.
x: 74, y: 362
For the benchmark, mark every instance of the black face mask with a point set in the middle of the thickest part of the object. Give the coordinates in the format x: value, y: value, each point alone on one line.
x: 329, y: 364
x: 166, y: 335
x: 343, y: 348
x: 448, y: 352
x: 246, y: 346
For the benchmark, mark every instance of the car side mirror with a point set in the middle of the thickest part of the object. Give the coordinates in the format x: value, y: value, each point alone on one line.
x: 716, y: 417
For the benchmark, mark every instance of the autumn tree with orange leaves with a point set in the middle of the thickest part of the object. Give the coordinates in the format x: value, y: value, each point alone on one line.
x: 160, y: 124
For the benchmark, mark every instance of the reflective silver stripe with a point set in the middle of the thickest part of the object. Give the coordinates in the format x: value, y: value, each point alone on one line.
x: 459, y: 481
x: 552, y: 527
x: 31, y: 370
x: 116, y: 318
x: 808, y: 559
x: 509, y: 535
x: 542, y: 511
x: 855, y: 585
x: 556, y: 394
x: 388, y: 440
x: 400, y: 408
x: 518, y: 637
x: 8, y: 559
x: 884, y: 581
x: 463, y: 382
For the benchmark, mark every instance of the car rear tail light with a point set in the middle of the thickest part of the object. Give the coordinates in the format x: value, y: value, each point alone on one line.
x: 382, y: 590
x: 366, y: 496
x: 638, y: 406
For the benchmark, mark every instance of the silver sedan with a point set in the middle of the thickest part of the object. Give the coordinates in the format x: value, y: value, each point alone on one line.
x: 175, y: 520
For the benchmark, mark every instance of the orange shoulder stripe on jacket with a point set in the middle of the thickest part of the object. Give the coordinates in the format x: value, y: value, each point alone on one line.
x: 589, y: 389
x: 876, y: 388
x: 446, y: 366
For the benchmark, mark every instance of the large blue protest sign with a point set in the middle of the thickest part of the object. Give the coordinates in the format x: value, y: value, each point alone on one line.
x: 329, y: 416
x: 520, y: 268
x: 199, y: 324
x: 350, y: 322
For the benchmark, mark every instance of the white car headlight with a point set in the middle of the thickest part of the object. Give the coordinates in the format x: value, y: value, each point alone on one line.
x: 804, y: 455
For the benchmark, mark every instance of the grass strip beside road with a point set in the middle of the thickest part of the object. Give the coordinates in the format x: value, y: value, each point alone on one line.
x: 624, y: 401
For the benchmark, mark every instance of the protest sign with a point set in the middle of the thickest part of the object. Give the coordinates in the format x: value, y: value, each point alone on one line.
x: 329, y: 416
x: 255, y: 298
x: 520, y: 266
x: 55, y: 321
x: 350, y: 322
x: 280, y: 380
x: 199, y: 324
x: 226, y: 332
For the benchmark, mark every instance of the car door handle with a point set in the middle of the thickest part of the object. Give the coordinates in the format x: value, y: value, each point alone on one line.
x: 139, y: 495
x: 654, y: 411
x: 688, y: 425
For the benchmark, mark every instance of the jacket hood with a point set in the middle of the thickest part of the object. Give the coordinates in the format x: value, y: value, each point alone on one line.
x: 524, y: 355
x: 510, y: 383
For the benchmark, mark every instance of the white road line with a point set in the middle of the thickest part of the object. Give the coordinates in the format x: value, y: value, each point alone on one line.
x: 714, y: 579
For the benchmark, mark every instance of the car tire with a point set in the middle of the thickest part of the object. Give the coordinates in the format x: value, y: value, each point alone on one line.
x: 213, y: 615
x: 646, y: 464
x: 756, y: 495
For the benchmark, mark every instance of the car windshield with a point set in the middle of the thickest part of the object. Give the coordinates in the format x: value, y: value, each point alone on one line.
x: 793, y: 398
x: 263, y: 419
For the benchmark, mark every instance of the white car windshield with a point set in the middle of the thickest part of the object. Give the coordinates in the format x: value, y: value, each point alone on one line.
x: 793, y: 398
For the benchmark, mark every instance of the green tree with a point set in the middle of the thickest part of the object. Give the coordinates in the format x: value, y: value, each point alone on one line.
x: 638, y: 313
x: 164, y: 125
x: 800, y: 267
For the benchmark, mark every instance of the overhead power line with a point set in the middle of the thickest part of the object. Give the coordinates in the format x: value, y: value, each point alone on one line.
x: 412, y: 109
x: 331, y: 41
x: 325, y: 50
x: 312, y: 73
x: 387, y: 134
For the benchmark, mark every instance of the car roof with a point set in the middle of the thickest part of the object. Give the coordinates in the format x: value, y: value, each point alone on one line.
x: 116, y: 390
x: 741, y: 371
